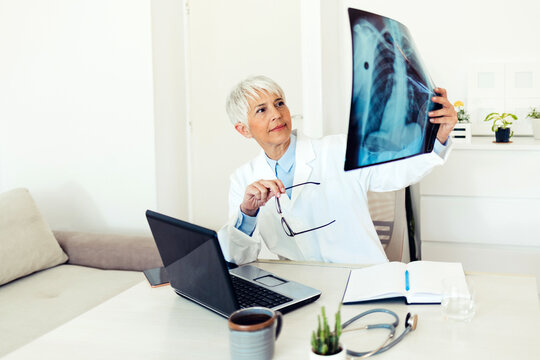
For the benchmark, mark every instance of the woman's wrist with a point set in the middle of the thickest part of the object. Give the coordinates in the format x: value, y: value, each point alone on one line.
x: 247, y: 212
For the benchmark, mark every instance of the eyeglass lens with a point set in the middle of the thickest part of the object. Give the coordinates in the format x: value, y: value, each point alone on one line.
x: 285, y: 225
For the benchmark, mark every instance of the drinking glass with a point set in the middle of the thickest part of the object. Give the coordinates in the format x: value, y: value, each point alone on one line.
x: 458, y: 299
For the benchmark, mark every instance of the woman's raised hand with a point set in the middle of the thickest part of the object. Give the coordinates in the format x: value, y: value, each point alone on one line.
x: 258, y: 193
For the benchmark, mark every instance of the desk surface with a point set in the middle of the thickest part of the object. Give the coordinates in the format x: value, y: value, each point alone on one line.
x: 146, y: 323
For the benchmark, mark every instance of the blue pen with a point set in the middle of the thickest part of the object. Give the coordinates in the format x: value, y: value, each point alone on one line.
x: 407, y: 280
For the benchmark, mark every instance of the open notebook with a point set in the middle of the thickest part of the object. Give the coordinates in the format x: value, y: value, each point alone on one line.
x: 419, y: 282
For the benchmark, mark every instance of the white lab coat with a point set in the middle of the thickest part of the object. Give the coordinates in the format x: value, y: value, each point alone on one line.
x: 342, y: 196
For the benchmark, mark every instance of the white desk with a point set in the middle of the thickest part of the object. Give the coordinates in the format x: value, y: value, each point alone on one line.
x: 146, y: 323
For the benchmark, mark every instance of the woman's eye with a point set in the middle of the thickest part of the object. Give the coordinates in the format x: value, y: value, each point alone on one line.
x: 280, y: 103
x: 260, y: 110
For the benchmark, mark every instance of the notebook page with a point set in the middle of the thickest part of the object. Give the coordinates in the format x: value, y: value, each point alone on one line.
x: 376, y: 282
x: 426, y: 276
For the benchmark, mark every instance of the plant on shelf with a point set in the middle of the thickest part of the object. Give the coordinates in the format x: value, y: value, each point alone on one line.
x: 462, y: 130
x: 501, y: 125
x: 462, y: 115
x: 534, y: 117
x: 534, y: 114
x: 323, y: 341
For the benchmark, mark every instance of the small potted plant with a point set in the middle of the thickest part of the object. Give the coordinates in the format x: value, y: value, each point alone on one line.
x: 501, y: 126
x: 534, y: 117
x: 462, y: 115
x: 325, y: 343
x: 462, y: 130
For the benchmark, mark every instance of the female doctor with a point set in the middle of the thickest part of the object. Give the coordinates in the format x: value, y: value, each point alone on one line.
x: 295, y: 195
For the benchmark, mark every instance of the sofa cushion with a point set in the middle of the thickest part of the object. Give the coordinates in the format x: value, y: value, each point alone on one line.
x: 27, y: 244
x: 109, y: 251
x: 37, y: 304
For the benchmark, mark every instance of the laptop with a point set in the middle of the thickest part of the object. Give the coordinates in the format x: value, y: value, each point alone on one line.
x: 197, y: 270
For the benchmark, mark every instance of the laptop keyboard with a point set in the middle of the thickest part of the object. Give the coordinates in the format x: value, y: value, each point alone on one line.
x: 249, y: 294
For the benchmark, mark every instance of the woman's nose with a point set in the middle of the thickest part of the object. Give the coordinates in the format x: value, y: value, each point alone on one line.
x: 274, y: 113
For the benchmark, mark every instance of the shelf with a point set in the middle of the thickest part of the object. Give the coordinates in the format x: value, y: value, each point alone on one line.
x: 486, y: 143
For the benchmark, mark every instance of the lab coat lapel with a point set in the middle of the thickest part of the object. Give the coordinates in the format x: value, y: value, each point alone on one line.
x: 304, y: 155
x: 262, y: 169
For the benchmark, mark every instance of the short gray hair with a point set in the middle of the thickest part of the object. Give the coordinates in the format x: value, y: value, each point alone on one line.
x: 237, y: 101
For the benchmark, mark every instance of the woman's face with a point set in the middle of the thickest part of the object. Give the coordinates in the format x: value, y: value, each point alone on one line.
x: 269, y: 120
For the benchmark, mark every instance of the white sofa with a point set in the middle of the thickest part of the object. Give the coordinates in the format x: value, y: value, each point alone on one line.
x: 97, y: 268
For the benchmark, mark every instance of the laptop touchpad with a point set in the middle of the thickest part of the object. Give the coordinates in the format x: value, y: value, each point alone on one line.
x: 270, y: 280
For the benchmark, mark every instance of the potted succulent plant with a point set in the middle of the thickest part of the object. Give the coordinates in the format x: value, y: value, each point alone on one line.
x: 325, y: 343
x: 501, y: 126
x: 462, y: 130
x: 534, y: 116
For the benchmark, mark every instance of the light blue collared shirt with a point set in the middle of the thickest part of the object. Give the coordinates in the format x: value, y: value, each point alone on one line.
x: 439, y: 148
x: 285, y: 166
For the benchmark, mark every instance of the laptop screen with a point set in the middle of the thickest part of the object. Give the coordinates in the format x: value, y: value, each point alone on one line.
x: 194, y: 263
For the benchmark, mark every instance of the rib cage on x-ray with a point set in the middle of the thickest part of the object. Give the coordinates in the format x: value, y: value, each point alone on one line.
x: 391, y: 93
x: 382, y: 84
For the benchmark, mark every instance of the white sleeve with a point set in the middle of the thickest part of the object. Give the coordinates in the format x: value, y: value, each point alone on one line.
x: 238, y: 247
x: 396, y: 175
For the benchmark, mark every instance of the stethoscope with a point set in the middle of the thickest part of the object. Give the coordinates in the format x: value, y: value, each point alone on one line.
x: 410, y: 325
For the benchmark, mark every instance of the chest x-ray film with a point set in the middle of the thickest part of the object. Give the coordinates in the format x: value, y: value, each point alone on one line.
x: 391, y: 94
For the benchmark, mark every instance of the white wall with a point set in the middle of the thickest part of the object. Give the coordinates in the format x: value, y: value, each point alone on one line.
x: 170, y: 108
x: 230, y: 40
x: 77, y: 103
x: 449, y: 36
x: 311, y: 45
x: 76, y: 110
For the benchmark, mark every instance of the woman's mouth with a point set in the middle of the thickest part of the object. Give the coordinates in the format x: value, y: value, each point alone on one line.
x: 279, y: 127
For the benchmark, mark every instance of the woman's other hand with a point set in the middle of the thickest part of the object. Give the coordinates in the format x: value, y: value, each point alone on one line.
x: 446, y: 117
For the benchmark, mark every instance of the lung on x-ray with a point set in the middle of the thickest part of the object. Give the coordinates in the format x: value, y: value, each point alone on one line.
x: 391, y: 94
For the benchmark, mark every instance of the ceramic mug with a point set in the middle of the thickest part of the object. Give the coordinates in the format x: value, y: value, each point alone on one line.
x: 253, y: 332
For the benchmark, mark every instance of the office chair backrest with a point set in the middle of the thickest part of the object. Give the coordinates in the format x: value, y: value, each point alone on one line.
x: 388, y: 214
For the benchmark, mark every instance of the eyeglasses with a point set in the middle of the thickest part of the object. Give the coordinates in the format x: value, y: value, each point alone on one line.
x: 285, y: 225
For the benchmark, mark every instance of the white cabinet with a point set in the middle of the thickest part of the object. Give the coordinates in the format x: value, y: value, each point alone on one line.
x: 482, y: 208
